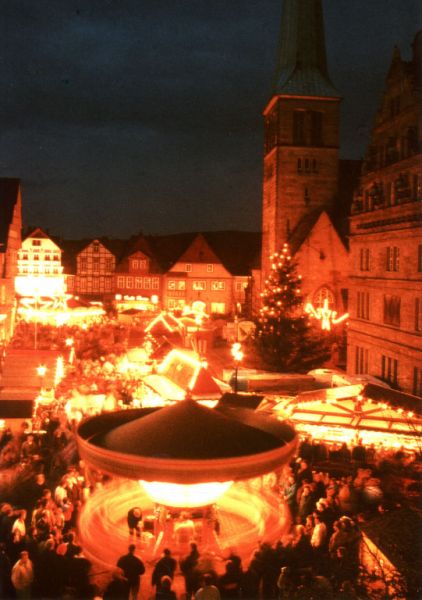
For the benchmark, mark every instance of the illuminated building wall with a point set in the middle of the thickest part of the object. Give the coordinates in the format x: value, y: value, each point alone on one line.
x: 95, y: 267
x: 137, y: 275
x: 10, y: 242
x: 199, y: 274
x: 385, y: 332
x: 40, y: 272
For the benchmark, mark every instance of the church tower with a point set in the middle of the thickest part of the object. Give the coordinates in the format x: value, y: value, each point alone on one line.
x: 301, y: 130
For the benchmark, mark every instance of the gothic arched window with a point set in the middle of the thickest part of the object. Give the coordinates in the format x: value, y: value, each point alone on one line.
x: 322, y: 294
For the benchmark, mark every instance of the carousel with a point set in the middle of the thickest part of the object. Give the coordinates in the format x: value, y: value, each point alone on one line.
x: 197, y: 474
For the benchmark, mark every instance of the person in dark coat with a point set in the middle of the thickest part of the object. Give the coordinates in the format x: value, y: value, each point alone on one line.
x: 165, y: 592
x: 133, y: 568
x: 165, y: 566
x: 134, y: 521
x: 189, y: 568
x: 118, y: 587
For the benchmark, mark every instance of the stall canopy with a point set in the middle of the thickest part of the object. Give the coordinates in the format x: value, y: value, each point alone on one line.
x: 182, y: 373
x: 354, y: 408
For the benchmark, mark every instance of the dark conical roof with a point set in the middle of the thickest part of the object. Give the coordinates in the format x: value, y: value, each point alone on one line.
x: 188, y: 430
x: 185, y: 443
x: 302, y: 63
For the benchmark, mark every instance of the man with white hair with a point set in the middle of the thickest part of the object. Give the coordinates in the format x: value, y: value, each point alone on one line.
x: 23, y: 576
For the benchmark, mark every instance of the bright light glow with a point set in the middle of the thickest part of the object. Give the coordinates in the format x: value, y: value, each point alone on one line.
x: 325, y: 315
x: 236, y: 351
x: 59, y: 371
x: 54, y: 309
x: 41, y: 370
x: 185, y: 496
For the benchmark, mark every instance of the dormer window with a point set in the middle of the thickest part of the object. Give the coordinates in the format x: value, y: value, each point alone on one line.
x: 210, y: 268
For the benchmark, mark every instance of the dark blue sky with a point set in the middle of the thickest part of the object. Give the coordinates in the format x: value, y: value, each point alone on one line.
x: 129, y: 115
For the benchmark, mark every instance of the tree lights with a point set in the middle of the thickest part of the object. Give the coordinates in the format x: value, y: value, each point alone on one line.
x: 284, y: 338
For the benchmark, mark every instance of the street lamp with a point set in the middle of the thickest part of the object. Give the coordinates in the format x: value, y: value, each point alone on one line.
x: 69, y: 344
x: 237, y: 354
x: 41, y: 371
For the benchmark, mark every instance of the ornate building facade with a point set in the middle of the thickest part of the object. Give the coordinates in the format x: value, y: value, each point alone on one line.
x: 385, y: 331
x: 40, y: 271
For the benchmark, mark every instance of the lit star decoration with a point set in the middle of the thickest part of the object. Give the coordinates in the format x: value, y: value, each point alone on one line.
x: 325, y: 315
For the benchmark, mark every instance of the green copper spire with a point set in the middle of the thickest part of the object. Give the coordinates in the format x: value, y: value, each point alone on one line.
x: 302, y: 62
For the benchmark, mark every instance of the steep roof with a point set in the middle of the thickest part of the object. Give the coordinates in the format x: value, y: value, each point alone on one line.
x: 239, y: 251
x: 9, y: 191
x: 303, y: 229
x: 302, y: 63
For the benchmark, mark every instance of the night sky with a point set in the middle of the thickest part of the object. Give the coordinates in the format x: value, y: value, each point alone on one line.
x: 128, y: 115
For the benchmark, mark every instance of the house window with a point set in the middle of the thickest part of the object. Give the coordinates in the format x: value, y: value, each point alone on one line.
x: 361, y: 360
x: 392, y: 258
x: 417, y: 381
x: 323, y: 294
x: 218, y: 308
x: 218, y: 286
x: 36, y: 242
x: 364, y: 256
x: 95, y: 247
x: 171, y: 284
x: 155, y: 283
x: 299, y: 165
x: 199, y: 285
x: 392, y: 310
x: 389, y: 369
x: 120, y: 282
x: 135, y: 264
x: 210, y: 268
x: 107, y: 284
x: 108, y: 265
x: 188, y: 268
x: 129, y: 282
x: 138, y: 283
x: 299, y: 127
x: 83, y: 264
x: 96, y: 264
x: 175, y: 303
x: 418, y: 314
x: 147, y: 283
x: 240, y: 286
x: 420, y: 259
x: 316, y: 128
x: 143, y: 264
x: 362, y: 307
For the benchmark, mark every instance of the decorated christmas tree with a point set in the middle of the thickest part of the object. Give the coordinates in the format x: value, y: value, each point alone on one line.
x: 285, y: 338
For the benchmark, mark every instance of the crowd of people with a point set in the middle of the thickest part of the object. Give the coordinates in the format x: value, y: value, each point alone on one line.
x: 329, y: 490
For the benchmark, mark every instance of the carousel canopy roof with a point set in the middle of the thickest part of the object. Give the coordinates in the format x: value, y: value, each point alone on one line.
x: 186, y: 443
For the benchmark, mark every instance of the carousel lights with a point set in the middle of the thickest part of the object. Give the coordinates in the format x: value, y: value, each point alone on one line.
x: 185, y: 495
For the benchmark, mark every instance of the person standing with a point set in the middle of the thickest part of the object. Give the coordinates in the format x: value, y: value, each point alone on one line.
x: 133, y: 568
x: 134, y: 521
x: 208, y: 591
x: 23, y: 576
